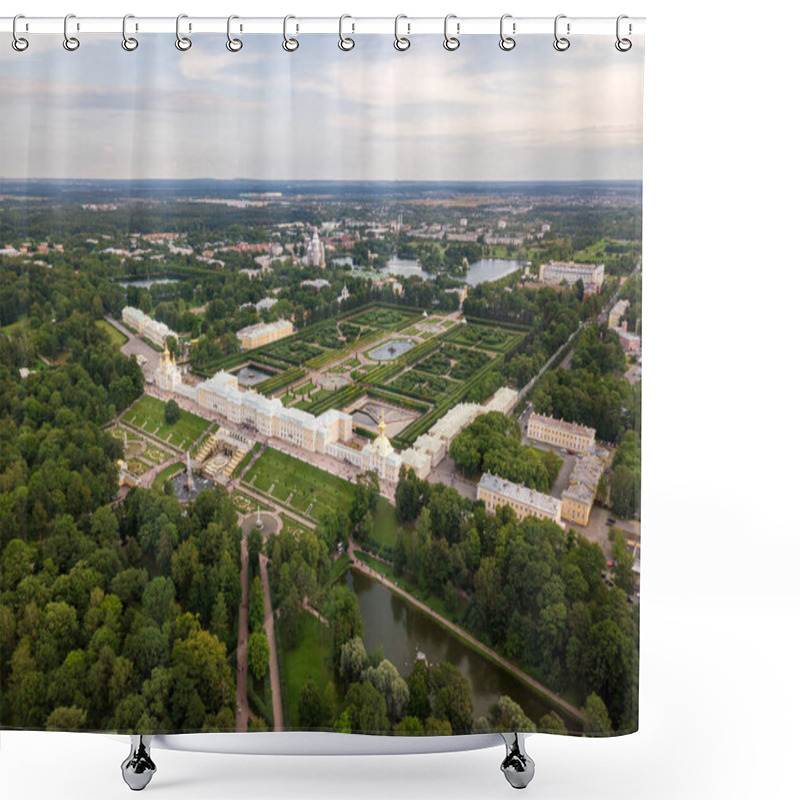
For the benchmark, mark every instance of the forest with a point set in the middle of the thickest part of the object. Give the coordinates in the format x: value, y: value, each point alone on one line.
x: 536, y: 593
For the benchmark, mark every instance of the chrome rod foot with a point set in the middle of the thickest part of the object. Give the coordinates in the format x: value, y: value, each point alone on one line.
x: 138, y: 768
x: 517, y: 766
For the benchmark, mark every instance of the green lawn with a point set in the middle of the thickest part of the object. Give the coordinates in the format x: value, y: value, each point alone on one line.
x: 167, y: 473
x: 309, y: 659
x: 293, y: 526
x: 117, y: 337
x: 312, y: 490
x: 385, y: 531
x: 147, y: 414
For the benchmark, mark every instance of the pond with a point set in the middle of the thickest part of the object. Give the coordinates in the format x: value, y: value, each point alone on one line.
x: 403, y: 630
x: 146, y: 283
x: 391, y: 349
x: 249, y: 375
x: 482, y: 271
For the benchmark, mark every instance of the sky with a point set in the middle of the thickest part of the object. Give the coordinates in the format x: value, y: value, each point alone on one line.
x: 476, y: 114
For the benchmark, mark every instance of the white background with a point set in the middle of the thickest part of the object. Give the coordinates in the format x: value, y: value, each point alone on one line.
x: 720, y: 599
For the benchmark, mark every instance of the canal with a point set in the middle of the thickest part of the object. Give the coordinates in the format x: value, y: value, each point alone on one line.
x: 403, y: 630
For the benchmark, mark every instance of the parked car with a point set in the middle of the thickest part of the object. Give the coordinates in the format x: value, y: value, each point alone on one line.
x: 611, y: 521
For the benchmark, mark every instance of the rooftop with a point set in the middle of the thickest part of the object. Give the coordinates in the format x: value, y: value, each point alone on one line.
x: 571, y: 427
x: 522, y: 494
x: 579, y: 492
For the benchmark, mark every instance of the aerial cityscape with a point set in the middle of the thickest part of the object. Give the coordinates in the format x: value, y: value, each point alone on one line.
x: 351, y: 456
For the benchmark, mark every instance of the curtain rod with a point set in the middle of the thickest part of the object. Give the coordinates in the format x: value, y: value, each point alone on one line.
x: 407, y: 25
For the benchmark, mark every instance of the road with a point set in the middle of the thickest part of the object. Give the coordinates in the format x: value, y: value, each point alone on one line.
x: 460, y: 632
x: 242, y: 708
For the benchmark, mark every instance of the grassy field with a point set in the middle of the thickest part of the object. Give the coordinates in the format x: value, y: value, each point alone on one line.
x: 117, y: 337
x: 167, y: 473
x: 308, y: 489
x: 147, y: 414
x: 385, y: 531
x: 309, y: 659
x: 293, y: 526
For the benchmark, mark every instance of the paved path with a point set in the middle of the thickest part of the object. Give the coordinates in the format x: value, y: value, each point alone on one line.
x: 242, y: 709
x: 487, y: 651
x: 269, y: 629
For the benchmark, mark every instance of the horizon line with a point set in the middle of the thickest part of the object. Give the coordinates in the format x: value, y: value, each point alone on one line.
x: 325, y: 180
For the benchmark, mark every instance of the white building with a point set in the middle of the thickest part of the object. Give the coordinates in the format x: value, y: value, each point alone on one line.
x: 554, y: 272
x: 144, y: 325
x: 315, y: 255
x: 328, y: 433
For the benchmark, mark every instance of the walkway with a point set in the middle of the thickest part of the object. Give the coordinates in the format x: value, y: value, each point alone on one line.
x: 460, y: 632
x: 269, y: 629
x: 242, y: 708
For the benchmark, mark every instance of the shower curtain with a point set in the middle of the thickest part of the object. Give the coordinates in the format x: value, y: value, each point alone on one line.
x: 321, y: 379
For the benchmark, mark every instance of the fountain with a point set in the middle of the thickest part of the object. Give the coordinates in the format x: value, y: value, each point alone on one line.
x: 189, y: 479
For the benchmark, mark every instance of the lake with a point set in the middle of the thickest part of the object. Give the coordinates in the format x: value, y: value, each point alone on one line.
x: 146, y: 283
x: 403, y: 630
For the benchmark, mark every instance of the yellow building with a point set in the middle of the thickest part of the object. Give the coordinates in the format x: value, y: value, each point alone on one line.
x: 263, y: 333
x: 576, y: 503
x: 559, y: 433
x: 525, y: 502
x: 578, y: 498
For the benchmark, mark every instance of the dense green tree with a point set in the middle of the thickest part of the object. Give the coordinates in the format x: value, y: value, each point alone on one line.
x: 258, y: 654
x: 409, y: 726
x: 452, y: 697
x: 552, y: 723
x: 158, y: 599
x: 366, y: 709
x: 309, y: 710
x: 596, y: 719
x: 344, y: 619
x: 419, y: 687
x: 507, y: 715
x: 64, y: 718
x: 255, y: 604
x: 352, y: 660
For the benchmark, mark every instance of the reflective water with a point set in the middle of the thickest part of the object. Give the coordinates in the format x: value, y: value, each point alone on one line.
x: 481, y: 271
x: 250, y: 376
x: 391, y: 349
x: 143, y: 283
x: 402, y: 631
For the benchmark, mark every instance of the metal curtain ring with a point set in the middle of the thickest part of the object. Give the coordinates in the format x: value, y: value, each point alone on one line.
x: 561, y: 43
x: 623, y: 45
x: 451, y: 42
x: 345, y: 42
x: 401, y: 42
x: 19, y: 43
x: 128, y: 42
x: 183, y: 43
x: 71, y: 43
x: 233, y: 44
x: 507, y: 42
x: 289, y: 44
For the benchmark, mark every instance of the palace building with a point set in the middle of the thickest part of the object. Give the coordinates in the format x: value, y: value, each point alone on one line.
x: 329, y: 433
x: 146, y: 326
x: 559, y: 433
x: 554, y: 272
x: 525, y: 502
x: 263, y: 333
